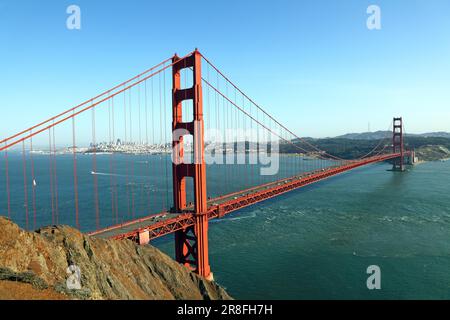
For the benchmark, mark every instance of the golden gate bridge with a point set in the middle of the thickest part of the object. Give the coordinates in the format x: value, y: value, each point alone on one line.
x: 171, y: 108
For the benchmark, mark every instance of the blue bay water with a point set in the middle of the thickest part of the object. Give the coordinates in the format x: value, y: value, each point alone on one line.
x: 313, y: 243
x: 316, y: 243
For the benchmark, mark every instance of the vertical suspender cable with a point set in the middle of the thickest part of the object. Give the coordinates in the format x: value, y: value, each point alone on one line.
x: 111, y: 144
x: 94, y: 169
x: 55, y: 176
x: 52, y: 193
x: 33, y: 185
x: 165, y: 142
x: 25, y: 185
x: 8, y: 196
x: 75, y: 177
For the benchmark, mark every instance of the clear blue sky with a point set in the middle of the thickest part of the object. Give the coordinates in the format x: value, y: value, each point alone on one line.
x: 313, y: 64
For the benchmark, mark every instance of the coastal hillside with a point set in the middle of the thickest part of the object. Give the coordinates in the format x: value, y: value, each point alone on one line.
x: 377, y: 135
x: 33, y: 265
x: 427, y: 146
x: 432, y: 153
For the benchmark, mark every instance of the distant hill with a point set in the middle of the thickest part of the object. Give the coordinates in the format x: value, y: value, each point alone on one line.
x: 432, y: 153
x: 377, y: 135
x: 430, y: 146
x: 435, y: 135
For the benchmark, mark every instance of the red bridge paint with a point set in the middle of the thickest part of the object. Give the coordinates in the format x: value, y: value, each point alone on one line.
x: 189, y: 222
x: 191, y: 226
x: 252, y: 196
x: 191, y: 242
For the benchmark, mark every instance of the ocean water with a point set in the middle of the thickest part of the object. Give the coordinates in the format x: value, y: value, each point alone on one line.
x: 317, y: 242
x: 312, y: 243
x: 128, y: 186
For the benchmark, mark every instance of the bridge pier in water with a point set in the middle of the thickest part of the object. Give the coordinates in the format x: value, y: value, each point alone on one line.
x: 191, y: 243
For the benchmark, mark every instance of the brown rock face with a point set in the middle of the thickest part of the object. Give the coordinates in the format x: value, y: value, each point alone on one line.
x: 109, y: 269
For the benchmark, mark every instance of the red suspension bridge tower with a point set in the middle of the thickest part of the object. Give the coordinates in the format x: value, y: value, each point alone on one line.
x: 191, y: 244
x: 190, y: 222
x: 398, y: 144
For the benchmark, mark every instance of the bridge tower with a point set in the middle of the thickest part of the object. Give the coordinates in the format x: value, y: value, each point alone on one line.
x: 398, y: 144
x: 191, y: 244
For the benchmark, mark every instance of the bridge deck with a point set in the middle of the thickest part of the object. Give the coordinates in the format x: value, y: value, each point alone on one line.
x: 164, y: 223
x: 161, y: 217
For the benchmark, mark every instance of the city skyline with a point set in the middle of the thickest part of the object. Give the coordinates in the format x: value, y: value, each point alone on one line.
x: 224, y: 150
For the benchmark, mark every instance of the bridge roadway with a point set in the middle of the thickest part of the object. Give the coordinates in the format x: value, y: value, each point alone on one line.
x: 164, y: 223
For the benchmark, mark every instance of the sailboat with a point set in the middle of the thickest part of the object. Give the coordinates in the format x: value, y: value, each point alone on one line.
x: 34, y: 182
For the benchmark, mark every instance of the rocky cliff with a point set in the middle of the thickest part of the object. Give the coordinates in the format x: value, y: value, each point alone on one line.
x: 33, y: 265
